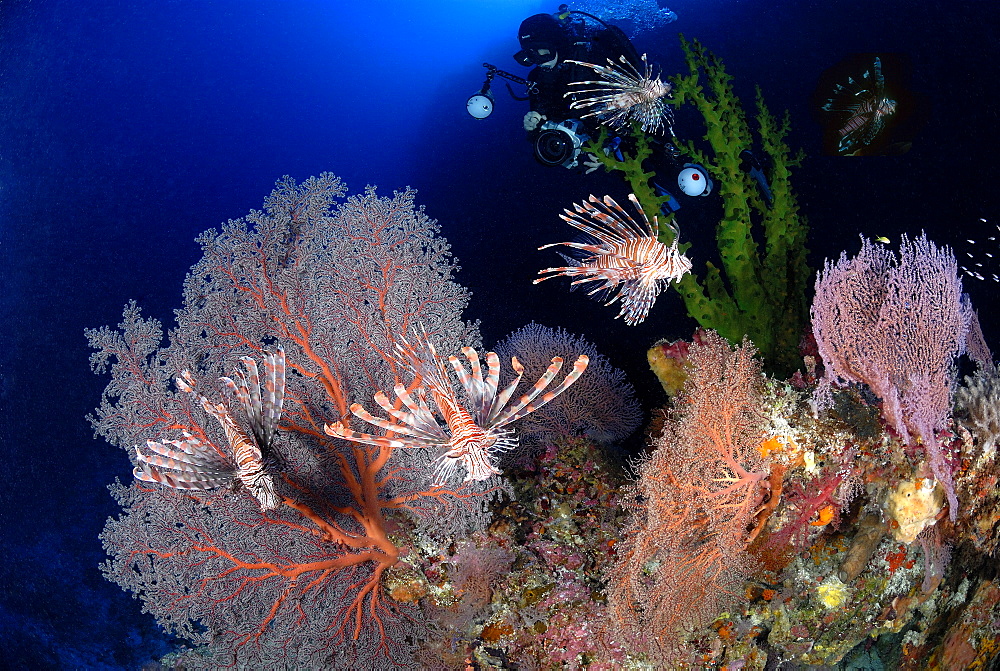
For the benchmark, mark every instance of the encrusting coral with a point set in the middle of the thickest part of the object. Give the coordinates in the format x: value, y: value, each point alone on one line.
x: 913, y: 505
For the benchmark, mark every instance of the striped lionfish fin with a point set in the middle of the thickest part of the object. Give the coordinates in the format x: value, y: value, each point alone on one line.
x: 625, y: 252
x: 481, y: 391
x: 504, y: 396
x: 637, y: 300
x: 607, y: 221
x: 246, y: 389
x: 542, y: 382
x: 191, y: 464
x: 185, y: 382
x: 404, y: 429
x: 262, y: 406
x: 524, y: 405
x: 274, y: 394
x: 338, y: 430
x: 422, y: 361
x: 584, y: 273
x: 419, y: 417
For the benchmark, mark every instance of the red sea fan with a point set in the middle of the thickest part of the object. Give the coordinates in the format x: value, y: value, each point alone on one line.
x: 683, y: 558
x: 333, y: 283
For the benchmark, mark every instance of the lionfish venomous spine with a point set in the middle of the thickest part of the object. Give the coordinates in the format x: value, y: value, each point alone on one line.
x: 472, y: 434
x: 621, y: 254
x: 623, y: 94
x: 191, y: 463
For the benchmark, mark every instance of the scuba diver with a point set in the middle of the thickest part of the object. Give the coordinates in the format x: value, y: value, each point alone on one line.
x: 547, y: 42
x: 564, y: 51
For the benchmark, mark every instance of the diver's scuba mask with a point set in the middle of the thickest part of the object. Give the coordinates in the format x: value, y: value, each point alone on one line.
x: 537, y: 54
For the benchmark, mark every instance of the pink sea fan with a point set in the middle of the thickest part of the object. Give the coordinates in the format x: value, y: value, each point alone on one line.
x: 896, y: 324
x: 682, y: 559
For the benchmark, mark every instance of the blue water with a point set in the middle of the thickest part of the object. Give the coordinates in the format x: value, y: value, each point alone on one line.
x: 126, y: 128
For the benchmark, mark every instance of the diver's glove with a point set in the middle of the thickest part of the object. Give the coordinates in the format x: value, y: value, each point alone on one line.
x: 532, y: 120
x: 591, y: 163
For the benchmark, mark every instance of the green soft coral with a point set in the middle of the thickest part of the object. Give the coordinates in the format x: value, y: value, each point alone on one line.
x: 638, y: 178
x: 760, y: 293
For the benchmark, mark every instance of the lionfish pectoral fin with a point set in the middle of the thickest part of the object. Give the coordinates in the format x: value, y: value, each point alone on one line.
x: 525, y: 404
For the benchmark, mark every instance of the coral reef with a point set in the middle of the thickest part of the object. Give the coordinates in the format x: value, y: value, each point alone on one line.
x: 759, y: 532
x: 823, y: 568
x: 839, y: 517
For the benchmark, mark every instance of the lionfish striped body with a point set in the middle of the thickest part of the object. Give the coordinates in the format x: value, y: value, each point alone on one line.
x: 622, y: 254
x: 194, y: 464
x: 864, y: 107
x: 472, y: 434
x: 623, y: 94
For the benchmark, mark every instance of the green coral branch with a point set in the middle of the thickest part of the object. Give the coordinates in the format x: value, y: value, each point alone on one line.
x: 639, y: 179
x: 759, y: 287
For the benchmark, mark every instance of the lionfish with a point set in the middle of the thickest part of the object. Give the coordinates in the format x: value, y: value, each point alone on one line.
x: 622, y: 94
x: 623, y: 254
x: 191, y: 463
x: 473, y: 434
x: 866, y: 108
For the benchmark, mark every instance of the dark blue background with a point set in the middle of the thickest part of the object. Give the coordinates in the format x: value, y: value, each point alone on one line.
x: 126, y: 128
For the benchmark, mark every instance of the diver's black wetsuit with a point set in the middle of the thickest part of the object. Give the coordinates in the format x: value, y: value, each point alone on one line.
x: 582, y: 42
x: 588, y: 40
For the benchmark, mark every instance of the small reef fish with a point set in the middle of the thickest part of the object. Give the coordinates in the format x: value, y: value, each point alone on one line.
x: 981, y: 264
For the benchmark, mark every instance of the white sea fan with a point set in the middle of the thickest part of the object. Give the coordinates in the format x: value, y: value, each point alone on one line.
x: 622, y: 94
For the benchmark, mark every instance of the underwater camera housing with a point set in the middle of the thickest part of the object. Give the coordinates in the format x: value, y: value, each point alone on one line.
x: 560, y: 143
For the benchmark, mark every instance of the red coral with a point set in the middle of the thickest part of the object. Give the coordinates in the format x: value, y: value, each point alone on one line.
x: 896, y: 559
x: 827, y: 492
x: 335, y: 284
x: 683, y: 559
